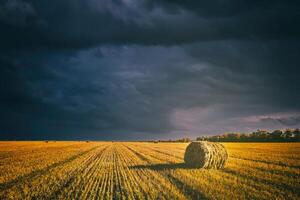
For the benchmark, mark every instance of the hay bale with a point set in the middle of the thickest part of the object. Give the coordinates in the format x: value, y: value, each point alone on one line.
x: 205, y: 155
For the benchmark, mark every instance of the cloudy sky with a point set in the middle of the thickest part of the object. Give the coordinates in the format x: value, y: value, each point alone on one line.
x: 147, y: 69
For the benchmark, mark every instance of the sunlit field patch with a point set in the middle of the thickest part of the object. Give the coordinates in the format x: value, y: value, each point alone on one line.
x: 140, y: 170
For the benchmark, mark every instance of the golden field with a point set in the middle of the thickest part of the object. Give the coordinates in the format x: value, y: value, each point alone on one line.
x: 138, y: 170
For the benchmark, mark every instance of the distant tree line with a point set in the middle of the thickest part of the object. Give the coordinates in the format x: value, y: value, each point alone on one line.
x: 288, y: 135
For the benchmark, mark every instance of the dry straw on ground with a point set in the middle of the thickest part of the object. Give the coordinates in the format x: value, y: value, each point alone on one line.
x: 205, y: 155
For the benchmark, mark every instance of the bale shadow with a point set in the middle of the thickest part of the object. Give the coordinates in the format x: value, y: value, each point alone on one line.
x: 164, y: 166
x: 188, y: 191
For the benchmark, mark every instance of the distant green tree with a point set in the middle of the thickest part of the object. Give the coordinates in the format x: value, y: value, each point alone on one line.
x: 297, y: 133
x: 276, y: 134
x: 288, y: 133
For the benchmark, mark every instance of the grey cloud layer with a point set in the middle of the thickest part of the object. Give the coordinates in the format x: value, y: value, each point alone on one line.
x: 141, y: 69
x: 77, y: 23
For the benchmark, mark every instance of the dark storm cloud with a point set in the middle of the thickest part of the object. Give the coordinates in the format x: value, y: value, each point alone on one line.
x: 286, y: 121
x: 55, y: 92
x: 76, y: 23
x: 146, y: 69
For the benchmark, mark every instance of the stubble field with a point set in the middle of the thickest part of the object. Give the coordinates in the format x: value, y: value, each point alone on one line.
x: 137, y: 170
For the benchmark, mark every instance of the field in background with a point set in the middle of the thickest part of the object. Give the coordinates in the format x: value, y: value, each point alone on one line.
x: 124, y: 170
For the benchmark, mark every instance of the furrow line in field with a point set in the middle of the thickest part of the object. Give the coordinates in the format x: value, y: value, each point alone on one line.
x: 123, y: 176
x: 163, y: 177
x: 36, y: 188
x: 144, y: 156
x: 168, y: 154
x: 125, y: 162
x: 87, y: 178
x: 97, y: 175
x: 72, y: 181
x: 103, y: 174
x: 37, y: 173
x: 263, y: 182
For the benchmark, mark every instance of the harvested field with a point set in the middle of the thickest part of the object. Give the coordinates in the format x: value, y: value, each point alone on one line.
x: 136, y: 170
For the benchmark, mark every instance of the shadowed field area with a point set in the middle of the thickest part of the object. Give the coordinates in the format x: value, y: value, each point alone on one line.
x: 137, y: 170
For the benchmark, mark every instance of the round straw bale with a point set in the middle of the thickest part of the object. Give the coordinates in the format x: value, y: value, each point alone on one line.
x: 205, y: 155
